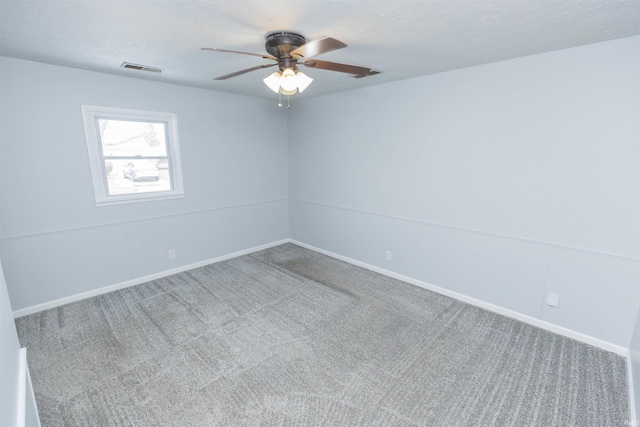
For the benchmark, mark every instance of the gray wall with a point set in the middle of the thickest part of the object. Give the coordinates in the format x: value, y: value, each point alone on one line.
x: 10, y: 368
x: 9, y: 359
x: 501, y: 182
x: 9, y: 347
x: 56, y: 243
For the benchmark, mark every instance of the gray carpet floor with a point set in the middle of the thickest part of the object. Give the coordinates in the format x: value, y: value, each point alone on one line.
x: 289, y: 337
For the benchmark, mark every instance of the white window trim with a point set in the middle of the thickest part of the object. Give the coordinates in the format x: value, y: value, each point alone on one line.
x: 90, y: 114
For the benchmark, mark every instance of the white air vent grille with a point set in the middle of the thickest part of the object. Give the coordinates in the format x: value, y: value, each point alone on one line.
x: 139, y: 67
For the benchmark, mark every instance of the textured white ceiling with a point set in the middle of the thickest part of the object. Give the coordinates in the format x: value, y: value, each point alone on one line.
x: 403, y: 38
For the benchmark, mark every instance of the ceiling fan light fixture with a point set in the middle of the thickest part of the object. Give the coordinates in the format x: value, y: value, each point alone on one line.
x: 273, y: 81
x: 288, y: 81
x: 303, y: 81
x: 288, y: 92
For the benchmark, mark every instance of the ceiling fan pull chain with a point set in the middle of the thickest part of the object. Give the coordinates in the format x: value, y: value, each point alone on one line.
x: 279, y: 99
x: 288, y: 106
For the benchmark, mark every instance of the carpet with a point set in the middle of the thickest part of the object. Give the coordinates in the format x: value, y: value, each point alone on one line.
x: 290, y: 337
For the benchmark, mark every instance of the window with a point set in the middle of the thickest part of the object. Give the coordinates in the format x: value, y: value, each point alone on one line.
x: 133, y: 154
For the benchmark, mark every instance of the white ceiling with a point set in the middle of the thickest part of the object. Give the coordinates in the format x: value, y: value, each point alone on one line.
x: 403, y: 38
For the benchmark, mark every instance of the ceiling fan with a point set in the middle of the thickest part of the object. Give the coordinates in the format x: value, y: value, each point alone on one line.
x: 288, y: 50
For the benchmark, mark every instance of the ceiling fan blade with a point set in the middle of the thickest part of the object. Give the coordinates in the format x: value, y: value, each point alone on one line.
x: 316, y: 47
x: 334, y: 66
x: 215, y: 49
x: 246, y: 70
x: 370, y: 73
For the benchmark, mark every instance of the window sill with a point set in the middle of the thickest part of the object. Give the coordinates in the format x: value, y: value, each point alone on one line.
x: 138, y: 199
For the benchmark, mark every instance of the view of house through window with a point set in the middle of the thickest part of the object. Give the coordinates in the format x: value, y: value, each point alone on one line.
x: 135, y: 156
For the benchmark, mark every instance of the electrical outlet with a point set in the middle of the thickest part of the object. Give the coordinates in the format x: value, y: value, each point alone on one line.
x: 553, y: 299
x: 172, y: 254
x: 388, y: 256
x: 159, y: 256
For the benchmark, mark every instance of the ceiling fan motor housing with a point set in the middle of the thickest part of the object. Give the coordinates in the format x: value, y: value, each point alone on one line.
x: 281, y: 43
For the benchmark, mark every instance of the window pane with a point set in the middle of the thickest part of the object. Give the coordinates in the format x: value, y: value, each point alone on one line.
x: 134, y: 175
x: 132, y: 138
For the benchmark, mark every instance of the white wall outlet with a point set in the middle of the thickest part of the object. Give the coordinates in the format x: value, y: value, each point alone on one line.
x: 388, y: 256
x: 553, y: 299
x: 172, y: 254
x: 159, y: 256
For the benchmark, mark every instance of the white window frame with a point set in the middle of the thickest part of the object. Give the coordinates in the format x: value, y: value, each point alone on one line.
x: 91, y: 114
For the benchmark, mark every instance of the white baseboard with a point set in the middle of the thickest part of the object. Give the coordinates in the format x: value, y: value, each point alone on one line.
x: 139, y: 280
x: 22, y: 388
x: 578, y: 336
x: 633, y: 420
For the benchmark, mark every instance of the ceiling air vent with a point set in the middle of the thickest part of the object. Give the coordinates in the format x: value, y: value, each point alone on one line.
x: 139, y: 67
